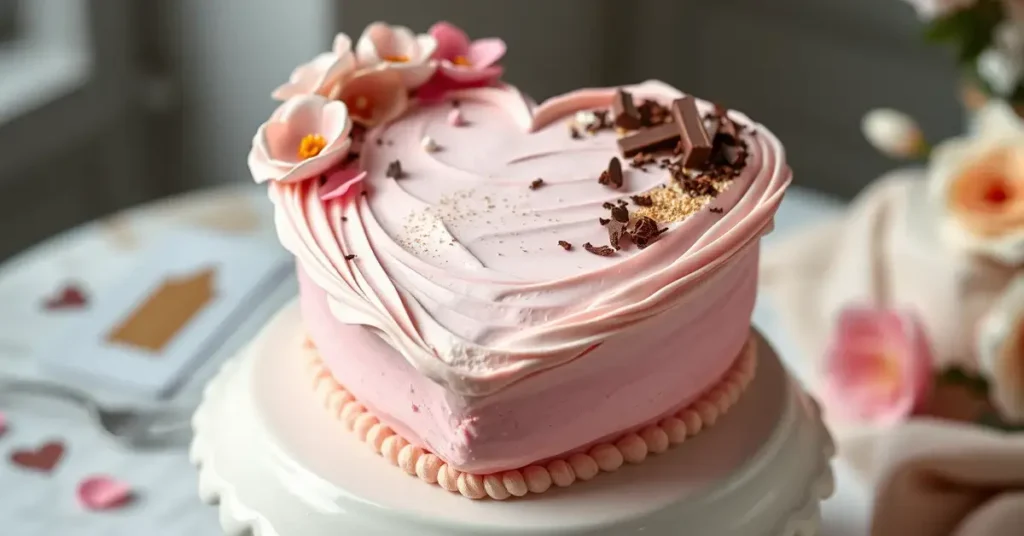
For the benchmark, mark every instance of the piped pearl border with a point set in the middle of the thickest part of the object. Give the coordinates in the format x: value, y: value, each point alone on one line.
x: 633, y: 447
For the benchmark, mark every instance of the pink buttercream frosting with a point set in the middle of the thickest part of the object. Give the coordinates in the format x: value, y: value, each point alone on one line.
x: 465, y: 326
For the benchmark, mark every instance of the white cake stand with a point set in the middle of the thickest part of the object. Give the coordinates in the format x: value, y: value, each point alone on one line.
x: 280, y: 466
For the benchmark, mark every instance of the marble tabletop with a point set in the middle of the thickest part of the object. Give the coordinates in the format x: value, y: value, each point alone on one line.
x: 33, y: 504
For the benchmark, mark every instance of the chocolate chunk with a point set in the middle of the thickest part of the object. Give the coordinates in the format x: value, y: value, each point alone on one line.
x: 537, y: 183
x: 603, y: 251
x: 652, y: 113
x: 394, y: 170
x: 574, y: 133
x: 625, y: 112
x: 565, y: 245
x: 349, y: 257
x: 651, y: 139
x: 620, y: 214
x: 696, y: 144
x: 642, y: 200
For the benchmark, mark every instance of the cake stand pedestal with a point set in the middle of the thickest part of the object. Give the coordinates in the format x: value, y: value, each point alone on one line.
x: 278, y: 465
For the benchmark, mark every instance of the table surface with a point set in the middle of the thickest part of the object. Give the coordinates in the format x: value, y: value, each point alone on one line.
x: 34, y: 504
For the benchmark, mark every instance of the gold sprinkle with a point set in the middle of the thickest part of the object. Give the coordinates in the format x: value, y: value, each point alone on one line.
x: 671, y: 204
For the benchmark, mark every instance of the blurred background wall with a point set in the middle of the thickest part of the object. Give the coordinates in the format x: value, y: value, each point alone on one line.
x: 107, y: 103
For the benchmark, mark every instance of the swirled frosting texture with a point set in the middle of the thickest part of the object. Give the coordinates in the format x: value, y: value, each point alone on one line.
x: 457, y: 263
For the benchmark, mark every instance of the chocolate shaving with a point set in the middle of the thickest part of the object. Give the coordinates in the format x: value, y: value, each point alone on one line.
x: 625, y: 112
x: 652, y: 113
x: 644, y: 232
x: 537, y: 183
x: 694, y: 140
x: 565, y: 245
x: 616, y: 230
x: 615, y: 172
x: 716, y: 210
x: 574, y: 133
x: 642, y: 200
x: 620, y: 214
x: 394, y: 170
x: 343, y: 218
x: 603, y: 251
x: 603, y: 221
x: 606, y: 205
x: 349, y: 257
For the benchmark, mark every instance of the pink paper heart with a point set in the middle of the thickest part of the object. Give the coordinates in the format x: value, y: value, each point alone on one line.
x: 103, y: 493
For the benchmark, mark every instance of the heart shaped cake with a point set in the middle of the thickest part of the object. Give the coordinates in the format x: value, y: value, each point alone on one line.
x: 498, y: 294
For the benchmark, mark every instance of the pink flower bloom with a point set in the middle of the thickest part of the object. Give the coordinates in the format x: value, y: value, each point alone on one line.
x: 932, y: 9
x: 397, y: 48
x: 375, y: 96
x: 461, y: 63
x: 320, y: 75
x: 303, y: 138
x: 878, y: 366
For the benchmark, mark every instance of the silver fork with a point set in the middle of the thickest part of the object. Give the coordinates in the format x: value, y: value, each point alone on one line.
x: 134, y: 428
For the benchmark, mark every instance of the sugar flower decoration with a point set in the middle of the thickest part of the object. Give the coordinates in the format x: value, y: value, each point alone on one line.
x: 1001, y: 351
x: 375, y: 96
x: 321, y: 75
x: 304, y: 138
x: 978, y: 182
x: 894, y: 133
x: 878, y: 366
x: 465, y: 61
x: 397, y: 48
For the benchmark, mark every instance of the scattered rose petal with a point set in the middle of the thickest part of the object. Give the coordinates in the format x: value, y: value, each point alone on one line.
x: 339, y: 182
x: 103, y: 493
x: 455, y: 118
x: 44, y: 459
x: 69, y: 297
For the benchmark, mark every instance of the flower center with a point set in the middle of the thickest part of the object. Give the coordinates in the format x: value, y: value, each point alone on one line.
x: 997, y: 193
x: 311, y: 145
x: 462, y: 61
x: 887, y: 371
x: 397, y: 58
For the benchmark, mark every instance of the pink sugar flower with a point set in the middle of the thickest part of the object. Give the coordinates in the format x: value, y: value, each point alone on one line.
x: 462, y: 63
x: 374, y: 96
x: 304, y: 137
x: 878, y: 366
x: 321, y: 74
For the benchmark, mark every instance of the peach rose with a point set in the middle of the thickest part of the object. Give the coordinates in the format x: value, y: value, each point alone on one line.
x: 320, y: 75
x: 304, y: 138
x: 397, y: 48
x: 1001, y: 351
x: 374, y: 96
x: 978, y: 181
x: 878, y: 366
